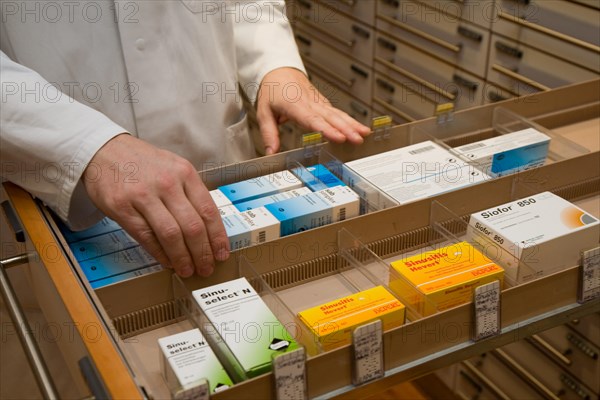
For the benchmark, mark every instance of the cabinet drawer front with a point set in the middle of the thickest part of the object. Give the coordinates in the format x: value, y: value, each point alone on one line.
x: 383, y: 108
x: 351, y: 75
x: 584, y: 52
x: 459, y: 43
x: 565, y: 17
x: 493, y: 94
x: 408, y: 97
x: 537, y: 368
x: 581, y: 357
x: 589, y: 327
x: 342, y: 100
x: 402, y: 62
x: 361, y: 10
x: 523, y: 70
x: 337, y: 30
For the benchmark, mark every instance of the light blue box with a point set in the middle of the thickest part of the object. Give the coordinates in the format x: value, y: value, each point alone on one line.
x: 315, y: 209
x: 106, y: 225
x: 250, y: 227
x: 102, y: 245
x: 116, y: 263
x: 260, y: 186
x: 317, y: 177
x: 263, y: 201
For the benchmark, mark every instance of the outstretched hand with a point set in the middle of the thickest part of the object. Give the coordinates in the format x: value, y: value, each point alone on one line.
x: 287, y: 94
x: 160, y: 200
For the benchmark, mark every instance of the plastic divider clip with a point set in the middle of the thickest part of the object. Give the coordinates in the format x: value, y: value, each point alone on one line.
x: 381, y: 127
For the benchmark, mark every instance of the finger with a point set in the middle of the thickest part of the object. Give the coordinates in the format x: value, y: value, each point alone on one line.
x: 343, y: 123
x: 194, y: 231
x: 204, y: 205
x: 315, y: 122
x: 169, y: 235
x: 269, y: 131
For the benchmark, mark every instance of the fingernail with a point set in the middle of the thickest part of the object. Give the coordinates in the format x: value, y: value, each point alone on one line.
x: 268, y: 150
x: 186, y: 271
x: 207, y: 270
x: 222, y: 255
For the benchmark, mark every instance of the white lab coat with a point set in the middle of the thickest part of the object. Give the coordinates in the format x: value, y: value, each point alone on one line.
x: 167, y: 71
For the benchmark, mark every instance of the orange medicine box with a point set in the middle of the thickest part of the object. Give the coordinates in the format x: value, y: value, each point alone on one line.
x: 443, y: 278
x: 332, y: 323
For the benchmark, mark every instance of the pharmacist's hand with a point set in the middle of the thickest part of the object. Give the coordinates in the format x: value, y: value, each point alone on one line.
x: 161, y: 201
x: 287, y: 94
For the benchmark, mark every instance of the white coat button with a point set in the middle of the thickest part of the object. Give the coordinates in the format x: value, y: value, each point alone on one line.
x: 140, y: 44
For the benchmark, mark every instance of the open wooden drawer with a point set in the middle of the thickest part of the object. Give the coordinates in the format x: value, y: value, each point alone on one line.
x: 116, y: 326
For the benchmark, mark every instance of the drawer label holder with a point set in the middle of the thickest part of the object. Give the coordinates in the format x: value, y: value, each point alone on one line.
x: 289, y: 370
x: 486, y: 310
x: 589, y: 279
x: 367, y: 350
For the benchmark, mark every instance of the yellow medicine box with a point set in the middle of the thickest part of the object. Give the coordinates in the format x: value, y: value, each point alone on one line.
x: 443, y: 278
x: 332, y: 323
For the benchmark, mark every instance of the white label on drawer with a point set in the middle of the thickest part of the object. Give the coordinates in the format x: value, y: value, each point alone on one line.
x: 290, y: 375
x: 486, y: 304
x: 197, y: 392
x: 589, y: 282
x: 367, y: 341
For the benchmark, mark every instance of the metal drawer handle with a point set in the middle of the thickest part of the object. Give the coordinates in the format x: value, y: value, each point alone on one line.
x: 550, y: 32
x: 524, y: 374
x: 393, y: 3
x: 91, y: 376
x: 574, y: 386
x: 470, y: 34
x: 394, y: 110
x: 316, y: 27
x: 305, y: 4
x: 583, y: 346
x: 359, y: 71
x: 495, y: 97
x: 350, y: 3
x: 549, y: 349
x: 459, y: 80
x: 417, y: 79
x: 330, y: 75
x: 484, y: 379
x: 524, y: 2
x: 359, y: 109
x: 508, y: 49
x: 452, y: 47
x: 519, y: 77
x: 361, y: 31
x: 388, y: 87
x: 471, y: 381
x: 386, y: 44
x: 303, y: 39
x: 26, y: 335
x: 13, y: 222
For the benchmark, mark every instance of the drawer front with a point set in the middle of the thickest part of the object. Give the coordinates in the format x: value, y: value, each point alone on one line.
x: 342, y: 100
x: 559, y: 16
x: 345, y: 72
x: 493, y: 94
x: 450, y: 39
x: 499, y: 378
x: 361, y: 10
x: 408, y: 98
x: 579, y: 356
x: 547, y: 377
x: 588, y: 327
x: 337, y: 30
x: 578, y: 47
x: 524, y: 70
x: 383, y: 108
x: 401, y: 61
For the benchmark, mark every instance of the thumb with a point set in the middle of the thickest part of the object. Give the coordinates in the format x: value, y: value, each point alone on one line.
x: 269, y: 132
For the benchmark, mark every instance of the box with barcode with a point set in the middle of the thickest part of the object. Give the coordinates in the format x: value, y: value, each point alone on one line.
x: 274, y: 198
x: 186, y: 359
x: 415, y: 172
x: 250, y: 227
x: 219, y: 198
x: 315, y: 209
x: 317, y: 177
x: 505, y: 154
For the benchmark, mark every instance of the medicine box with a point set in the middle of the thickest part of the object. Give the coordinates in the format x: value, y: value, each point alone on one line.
x: 414, y: 172
x: 101, y: 245
x: 439, y: 279
x: 219, y: 198
x: 317, y: 177
x: 543, y: 231
x: 105, y: 225
x: 186, y: 359
x: 274, y: 198
x: 261, y: 186
x: 250, y: 227
x: 246, y: 325
x: 228, y: 210
x: 315, y: 209
x: 332, y: 323
x: 512, y: 152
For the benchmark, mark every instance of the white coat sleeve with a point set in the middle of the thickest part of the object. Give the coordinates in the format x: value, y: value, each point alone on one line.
x: 46, y: 141
x: 264, y: 42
